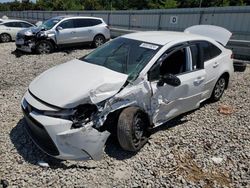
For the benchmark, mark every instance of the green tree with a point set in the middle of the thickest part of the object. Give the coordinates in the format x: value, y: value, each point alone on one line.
x: 162, y: 4
x: 91, y: 4
x: 116, y: 4
x: 138, y: 4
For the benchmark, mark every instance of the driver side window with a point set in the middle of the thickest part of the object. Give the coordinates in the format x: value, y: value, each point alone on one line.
x: 67, y: 24
x: 176, y: 63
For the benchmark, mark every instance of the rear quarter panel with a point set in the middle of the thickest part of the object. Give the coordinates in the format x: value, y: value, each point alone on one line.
x: 101, y: 29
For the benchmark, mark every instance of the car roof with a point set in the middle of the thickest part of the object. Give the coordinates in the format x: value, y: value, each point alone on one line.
x: 72, y: 16
x: 11, y: 20
x: 163, y: 37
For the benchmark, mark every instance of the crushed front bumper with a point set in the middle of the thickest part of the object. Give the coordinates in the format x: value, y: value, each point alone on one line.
x: 23, y: 45
x: 55, y: 137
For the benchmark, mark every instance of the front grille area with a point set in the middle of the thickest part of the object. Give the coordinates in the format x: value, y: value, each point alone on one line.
x: 39, y: 134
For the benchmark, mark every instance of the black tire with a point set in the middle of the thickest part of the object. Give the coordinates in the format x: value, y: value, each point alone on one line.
x: 5, y: 37
x: 98, y: 41
x: 44, y: 47
x: 132, y: 128
x: 219, y: 89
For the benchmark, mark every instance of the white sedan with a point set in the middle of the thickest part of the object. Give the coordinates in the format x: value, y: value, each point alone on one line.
x: 10, y: 28
x: 126, y: 87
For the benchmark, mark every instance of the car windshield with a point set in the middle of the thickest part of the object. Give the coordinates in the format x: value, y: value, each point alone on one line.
x: 123, y: 55
x: 50, y: 23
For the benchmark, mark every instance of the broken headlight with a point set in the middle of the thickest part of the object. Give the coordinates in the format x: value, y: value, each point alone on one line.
x: 80, y: 116
x: 65, y: 114
x: 83, y: 115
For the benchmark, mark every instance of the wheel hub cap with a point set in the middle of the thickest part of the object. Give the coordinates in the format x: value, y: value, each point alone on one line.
x: 219, y: 88
x: 44, y: 48
x: 5, y: 38
x: 99, y: 41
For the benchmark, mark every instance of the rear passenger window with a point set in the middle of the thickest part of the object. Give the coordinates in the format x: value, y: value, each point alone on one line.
x: 87, y: 22
x: 209, y: 50
x: 96, y: 22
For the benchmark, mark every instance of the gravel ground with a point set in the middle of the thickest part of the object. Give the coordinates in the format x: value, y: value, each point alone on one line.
x: 200, y: 149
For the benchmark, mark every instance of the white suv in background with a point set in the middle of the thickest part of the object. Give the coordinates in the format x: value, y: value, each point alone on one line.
x: 9, y: 29
x: 63, y: 31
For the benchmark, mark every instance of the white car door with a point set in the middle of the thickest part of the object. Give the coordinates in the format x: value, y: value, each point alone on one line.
x: 12, y: 29
x: 170, y: 101
x: 84, y: 29
x: 212, y: 64
x: 66, y: 33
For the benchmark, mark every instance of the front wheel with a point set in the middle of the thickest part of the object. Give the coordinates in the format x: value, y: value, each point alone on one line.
x: 44, y: 47
x: 132, y: 128
x: 98, y: 41
x: 219, y: 89
x: 5, y: 37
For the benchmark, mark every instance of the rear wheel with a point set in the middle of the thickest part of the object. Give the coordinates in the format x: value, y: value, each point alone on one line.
x: 219, y: 89
x: 5, y: 37
x: 98, y: 40
x: 132, y: 128
x: 44, y: 47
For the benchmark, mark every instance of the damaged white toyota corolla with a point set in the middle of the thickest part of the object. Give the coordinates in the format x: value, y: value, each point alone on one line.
x: 126, y: 87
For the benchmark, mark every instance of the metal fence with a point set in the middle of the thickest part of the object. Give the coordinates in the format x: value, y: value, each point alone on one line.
x: 236, y: 19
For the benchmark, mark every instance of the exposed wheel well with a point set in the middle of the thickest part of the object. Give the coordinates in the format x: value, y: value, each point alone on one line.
x: 100, y: 35
x: 112, y: 119
x: 50, y: 40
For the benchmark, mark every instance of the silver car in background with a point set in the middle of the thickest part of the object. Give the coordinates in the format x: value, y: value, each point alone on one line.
x: 63, y: 31
x: 10, y: 28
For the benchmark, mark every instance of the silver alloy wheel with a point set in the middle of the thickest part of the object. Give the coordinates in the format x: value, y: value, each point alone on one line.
x: 99, y: 40
x: 219, y: 88
x: 44, y: 48
x: 5, y: 37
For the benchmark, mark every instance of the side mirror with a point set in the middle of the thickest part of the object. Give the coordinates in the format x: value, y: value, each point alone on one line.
x: 169, y: 79
x: 59, y: 28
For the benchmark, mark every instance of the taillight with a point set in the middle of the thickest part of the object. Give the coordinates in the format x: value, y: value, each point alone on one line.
x: 107, y: 27
x: 232, y: 56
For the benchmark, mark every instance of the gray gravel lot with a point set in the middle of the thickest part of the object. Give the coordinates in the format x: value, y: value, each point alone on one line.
x: 200, y: 149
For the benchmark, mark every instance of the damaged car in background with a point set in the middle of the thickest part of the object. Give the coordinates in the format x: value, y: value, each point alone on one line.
x: 63, y: 31
x: 125, y: 87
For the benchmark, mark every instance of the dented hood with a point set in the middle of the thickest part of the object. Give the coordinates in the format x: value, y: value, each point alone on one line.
x: 30, y: 31
x: 217, y: 33
x: 76, y: 82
